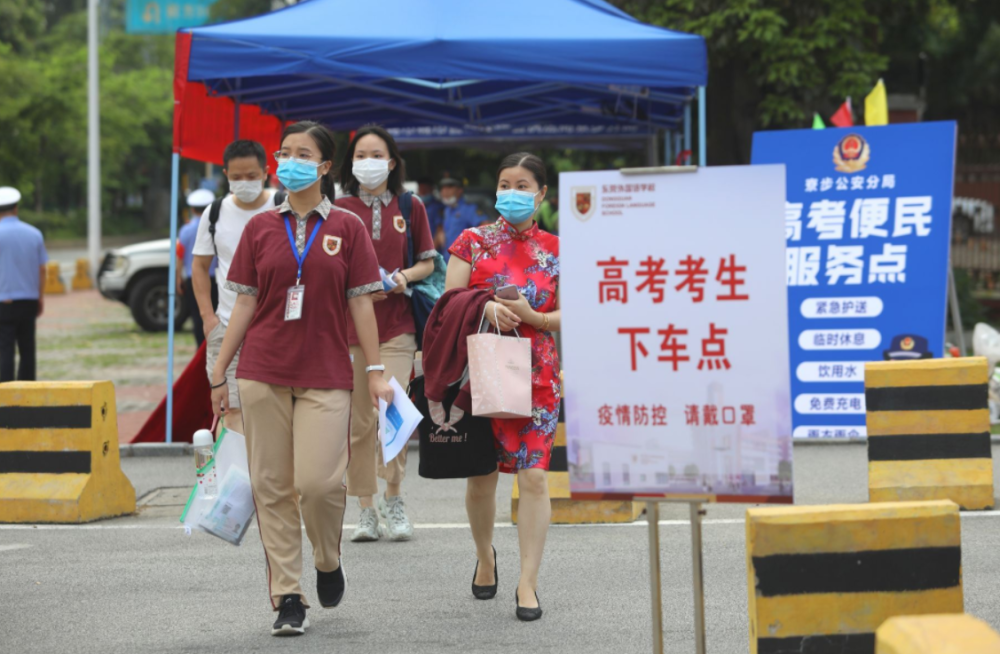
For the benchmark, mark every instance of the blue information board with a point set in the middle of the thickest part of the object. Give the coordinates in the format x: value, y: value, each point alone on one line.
x: 867, y: 229
x: 165, y: 16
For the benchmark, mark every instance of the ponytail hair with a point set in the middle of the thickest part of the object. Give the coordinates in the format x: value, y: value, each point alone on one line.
x: 323, y: 138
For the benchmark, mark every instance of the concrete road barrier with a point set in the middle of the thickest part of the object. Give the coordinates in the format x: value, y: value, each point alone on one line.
x: 81, y: 280
x: 53, y: 279
x: 566, y: 510
x: 929, y: 431
x: 936, y: 634
x: 59, y: 457
x: 821, y: 579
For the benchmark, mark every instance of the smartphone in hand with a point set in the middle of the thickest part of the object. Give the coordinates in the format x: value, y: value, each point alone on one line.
x: 509, y: 292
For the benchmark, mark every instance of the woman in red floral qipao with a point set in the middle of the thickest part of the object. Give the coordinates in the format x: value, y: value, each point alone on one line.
x: 515, y: 251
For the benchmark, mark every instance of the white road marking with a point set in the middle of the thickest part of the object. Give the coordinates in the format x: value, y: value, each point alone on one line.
x: 15, y: 546
x: 431, y: 526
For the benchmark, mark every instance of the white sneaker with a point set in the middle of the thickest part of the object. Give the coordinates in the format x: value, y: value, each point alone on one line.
x: 397, y: 526
x: 368, y: 527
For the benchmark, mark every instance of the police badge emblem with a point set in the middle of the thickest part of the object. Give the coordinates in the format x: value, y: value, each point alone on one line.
x: 851, y: 154
x: 331, y: 244
x: 399, y: 223
x: 584, y: 202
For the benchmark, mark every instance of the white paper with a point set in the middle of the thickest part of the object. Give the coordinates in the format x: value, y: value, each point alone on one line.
x: 396, y: 422
x: 230, y: 516
x: 388, y: 283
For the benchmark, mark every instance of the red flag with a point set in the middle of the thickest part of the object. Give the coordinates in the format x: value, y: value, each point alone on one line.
x: 843, y: 116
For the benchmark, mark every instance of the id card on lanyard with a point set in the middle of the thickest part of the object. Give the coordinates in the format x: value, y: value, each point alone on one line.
x: 295, y: 301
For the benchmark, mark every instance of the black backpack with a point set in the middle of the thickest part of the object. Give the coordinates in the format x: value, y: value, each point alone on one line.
x: 213, y: 215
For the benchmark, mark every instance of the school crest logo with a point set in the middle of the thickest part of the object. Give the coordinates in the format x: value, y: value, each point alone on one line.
x: 400, y: 224
x: 331, y: 244
x: 851, y: 154
x: 584, y: 202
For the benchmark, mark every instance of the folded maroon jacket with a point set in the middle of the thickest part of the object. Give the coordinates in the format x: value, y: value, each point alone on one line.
x: 446, y: 351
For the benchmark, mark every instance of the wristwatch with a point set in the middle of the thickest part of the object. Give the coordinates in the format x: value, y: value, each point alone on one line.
x: 374, y: 368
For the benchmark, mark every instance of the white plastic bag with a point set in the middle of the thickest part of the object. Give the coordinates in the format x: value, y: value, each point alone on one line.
x: 230, y: 453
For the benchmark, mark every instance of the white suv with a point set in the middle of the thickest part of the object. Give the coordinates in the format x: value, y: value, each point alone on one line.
x: 137, y: 276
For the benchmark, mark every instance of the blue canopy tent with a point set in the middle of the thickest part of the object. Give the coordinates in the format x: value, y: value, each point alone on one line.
x: 436, y: 71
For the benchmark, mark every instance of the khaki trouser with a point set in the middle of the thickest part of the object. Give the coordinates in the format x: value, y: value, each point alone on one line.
x: 297, y: 442
x: 366, y: 453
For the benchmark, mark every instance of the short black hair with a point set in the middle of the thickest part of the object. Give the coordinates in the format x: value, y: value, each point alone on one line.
x: 9, y: 207
x: 397, y: 175
x: 244, y: 148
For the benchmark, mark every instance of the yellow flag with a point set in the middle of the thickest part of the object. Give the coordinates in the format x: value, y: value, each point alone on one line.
x: 876, y: 106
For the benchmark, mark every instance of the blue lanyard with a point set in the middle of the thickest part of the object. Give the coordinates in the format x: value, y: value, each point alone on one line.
x: 300, y: 258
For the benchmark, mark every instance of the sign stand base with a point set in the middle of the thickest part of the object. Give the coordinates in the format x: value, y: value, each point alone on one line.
x: 655, y: 580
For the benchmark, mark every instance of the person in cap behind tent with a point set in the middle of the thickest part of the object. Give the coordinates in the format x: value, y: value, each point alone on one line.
x: 197, y: 201
x: 22, y: 283
x: 459, y: 215
x: 435, y: 210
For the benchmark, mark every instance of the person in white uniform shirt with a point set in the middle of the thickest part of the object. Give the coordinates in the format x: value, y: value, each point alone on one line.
x: 245, y: 165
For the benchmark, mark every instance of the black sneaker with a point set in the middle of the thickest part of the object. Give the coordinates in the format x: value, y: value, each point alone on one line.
x: 330, y: 586
x: 292, y: 620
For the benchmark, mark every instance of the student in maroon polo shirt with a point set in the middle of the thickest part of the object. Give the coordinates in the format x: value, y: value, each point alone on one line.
x: 372, y: 177
x: 299, y: 271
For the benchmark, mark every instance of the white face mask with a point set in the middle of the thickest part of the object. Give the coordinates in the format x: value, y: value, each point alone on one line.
x: 247, y: 191
x: 450, y: 202
x: 370, y: 173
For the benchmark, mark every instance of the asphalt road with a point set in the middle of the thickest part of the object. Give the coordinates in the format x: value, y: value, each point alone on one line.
x: 138, y: 584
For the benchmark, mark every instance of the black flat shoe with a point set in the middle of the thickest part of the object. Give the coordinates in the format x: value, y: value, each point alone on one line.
x: 486, y: 592
x: 528, y: 615
x: 330, y: 586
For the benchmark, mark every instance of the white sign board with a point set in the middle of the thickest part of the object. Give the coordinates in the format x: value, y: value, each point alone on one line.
x: 675, y: 339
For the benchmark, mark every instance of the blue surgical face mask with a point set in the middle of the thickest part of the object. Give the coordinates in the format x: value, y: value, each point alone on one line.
x: 516, y: 206
x: 298, y: 174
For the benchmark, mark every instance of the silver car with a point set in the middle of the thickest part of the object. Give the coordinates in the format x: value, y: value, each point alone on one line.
x: 136, y: 275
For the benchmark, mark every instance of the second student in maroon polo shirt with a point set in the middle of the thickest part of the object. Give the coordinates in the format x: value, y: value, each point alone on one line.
x: 372, y: 177
x: 304, y: 275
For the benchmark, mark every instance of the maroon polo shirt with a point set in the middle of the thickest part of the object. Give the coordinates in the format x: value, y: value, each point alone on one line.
x: 394, y: 314
x: 311, y: 352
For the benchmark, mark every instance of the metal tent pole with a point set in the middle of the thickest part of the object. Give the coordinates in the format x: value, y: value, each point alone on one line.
x: 93, y: 139
x: 687, y: 126
x: 702, y: 142
x: 175, y: 169
x: 699, y: 578
x: 653, y: 520
x: 668, y: 157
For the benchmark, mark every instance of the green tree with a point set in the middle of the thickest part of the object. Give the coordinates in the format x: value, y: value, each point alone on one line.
x: 772, y: 63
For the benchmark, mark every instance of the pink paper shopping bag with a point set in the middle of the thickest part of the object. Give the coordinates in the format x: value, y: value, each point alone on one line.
x: 500, y: 375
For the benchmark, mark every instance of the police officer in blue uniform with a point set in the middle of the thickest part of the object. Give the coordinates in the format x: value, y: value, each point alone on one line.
x: 22, y: 282
x: 459, y: 215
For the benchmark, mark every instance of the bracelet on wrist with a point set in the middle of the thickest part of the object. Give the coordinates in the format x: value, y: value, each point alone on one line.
x: 225, y: 380
x: 405, y: 277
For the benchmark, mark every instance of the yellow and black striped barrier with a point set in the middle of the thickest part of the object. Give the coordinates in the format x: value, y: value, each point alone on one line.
x: 59, y: 453
x: 936, y: 634
x: 929, y: 431
x: 823, y: 578
x: 81, y: 280
x: 566, y: 510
